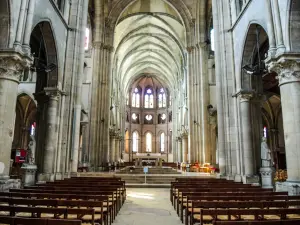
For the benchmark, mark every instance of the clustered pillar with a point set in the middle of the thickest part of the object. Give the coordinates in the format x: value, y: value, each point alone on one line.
x: 99, y: 119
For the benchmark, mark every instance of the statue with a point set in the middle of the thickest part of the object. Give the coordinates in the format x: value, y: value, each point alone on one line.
x: 265, y: 153
x: 31, y: 151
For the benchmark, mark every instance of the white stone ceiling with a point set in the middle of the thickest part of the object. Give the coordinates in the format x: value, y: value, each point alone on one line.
x: 149, y: 39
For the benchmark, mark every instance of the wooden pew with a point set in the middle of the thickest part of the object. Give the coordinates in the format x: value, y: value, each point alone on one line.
x: 109, y: 210
x: 203, y: 212
x: 36, y: 221
x: 176, y: 193
x: 77, y: 191
x: 188, y: 196
x: 281, y: 222
x: 86, y: 215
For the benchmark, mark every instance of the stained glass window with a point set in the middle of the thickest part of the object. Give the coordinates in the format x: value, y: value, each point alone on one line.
x: 149, y: 100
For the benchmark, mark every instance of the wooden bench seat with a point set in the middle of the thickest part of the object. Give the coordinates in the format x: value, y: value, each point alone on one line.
x: 86, y: 215
x: 281, y: 222
x: 210, y: 215
x: 8, y: 220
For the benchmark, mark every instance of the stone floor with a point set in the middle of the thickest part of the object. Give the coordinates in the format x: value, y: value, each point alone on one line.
x: 147, y: 207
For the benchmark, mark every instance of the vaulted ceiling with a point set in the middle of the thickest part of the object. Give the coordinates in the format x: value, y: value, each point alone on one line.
x: 149, y: 39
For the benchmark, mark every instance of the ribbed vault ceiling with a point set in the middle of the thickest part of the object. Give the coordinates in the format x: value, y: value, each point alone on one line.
x: 149, y: 39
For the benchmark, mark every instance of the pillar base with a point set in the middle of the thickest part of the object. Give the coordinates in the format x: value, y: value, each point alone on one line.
x: 237, y: 178
x: 28, y: 174
x: 293, y: 188
x: 6, y: 184
x: 230, y: 177
x: 251, y: 179
x: 44, y: 177
x: 267, y: 177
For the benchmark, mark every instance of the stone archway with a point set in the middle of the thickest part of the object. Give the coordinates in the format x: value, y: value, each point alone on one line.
x: 260, y: 99
x: 4, y: 23
x: 43, y: 47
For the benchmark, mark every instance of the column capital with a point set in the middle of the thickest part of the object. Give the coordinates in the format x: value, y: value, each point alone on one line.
x: 53, y: 93
x: 287, y: 67
x: 245, y: 96
x: 12, y: 64
x: 190, y: 49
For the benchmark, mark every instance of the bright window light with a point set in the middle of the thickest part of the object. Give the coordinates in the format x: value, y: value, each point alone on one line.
x: 212, y: 39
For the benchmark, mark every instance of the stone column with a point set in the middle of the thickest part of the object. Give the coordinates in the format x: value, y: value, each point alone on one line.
x: 112, y: 148
x: 279, y: 34
x: 117, y: 150
x: 185, y: 148
x: 246, y: 133
x: 179, y: 150
x: 270, y: 28
x: 51, y: 134
x: 85, y: 139
x: 12, y: 65
x: 288, y: 70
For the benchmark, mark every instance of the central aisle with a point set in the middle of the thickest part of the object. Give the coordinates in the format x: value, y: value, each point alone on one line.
x: 147, y: 206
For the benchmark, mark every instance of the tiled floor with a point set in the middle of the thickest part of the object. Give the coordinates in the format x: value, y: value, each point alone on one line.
x: 147, y: 206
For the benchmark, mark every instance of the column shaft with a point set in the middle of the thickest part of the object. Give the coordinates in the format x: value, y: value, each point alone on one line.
x: 279, y: 35
x: 117, y: 150
x: 51, y: 131
x: 21, y: 23
x: 11, y: 67
x: 8, y: 98
x: 246, y: 134
x: 270, y: 27
x: 28, y: 27
x: 112, y: 151
x: 288, y: 69
x: 185, y: 148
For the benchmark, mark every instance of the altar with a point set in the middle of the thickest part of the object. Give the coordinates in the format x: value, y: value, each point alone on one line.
x: 148, y: 157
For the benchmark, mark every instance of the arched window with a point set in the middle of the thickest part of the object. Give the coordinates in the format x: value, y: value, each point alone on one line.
x: 162, y: 100
x: 170, y: 100
x: 148, y: 142
x: 149, y: 99
x: 135, y: 101
x: 135, y: 141
x: 162, y: 142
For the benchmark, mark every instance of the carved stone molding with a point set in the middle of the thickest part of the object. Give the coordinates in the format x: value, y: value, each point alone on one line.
x: 52, y: 93
x: 190, y: 49
x: 287, y: 68
x: 12, y: 65
x: 245, y: 96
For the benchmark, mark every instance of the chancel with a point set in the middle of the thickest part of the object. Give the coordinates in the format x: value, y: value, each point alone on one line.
x: 196, y: 100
